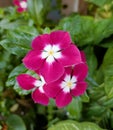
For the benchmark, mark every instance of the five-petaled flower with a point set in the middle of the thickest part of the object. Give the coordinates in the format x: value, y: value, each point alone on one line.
x: 61, y: 66
x: 51, y: 53
x: 27, y: 82
x: 21, y: 5
x: 70, y: 84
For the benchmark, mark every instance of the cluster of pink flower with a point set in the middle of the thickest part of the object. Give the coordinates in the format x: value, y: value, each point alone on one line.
x: 21, y: 5
x: 59, y: 64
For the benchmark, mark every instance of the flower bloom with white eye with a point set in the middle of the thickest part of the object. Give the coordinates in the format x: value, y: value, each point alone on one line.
x: 21, y: 5
x: 27, y: 82
x: 71, y: 84
x: 51, y: 53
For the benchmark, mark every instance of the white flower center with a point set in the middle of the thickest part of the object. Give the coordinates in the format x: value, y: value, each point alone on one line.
x: 50, y: 53
x: 68, y: 83
x: 23, y: 4
x: 40, y: 84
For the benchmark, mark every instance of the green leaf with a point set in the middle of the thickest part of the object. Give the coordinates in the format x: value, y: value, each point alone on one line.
x: 108, y: 62
x: 16, y: 42
x: 96, y: 110
x: 12, y: 79
x: 107, y: 67
x: 74, y: 108
x: 15, y: 72
x: 80, y: 28
x: 91, y: 60
x: 38, y: 9
x: 85, y: 97
x: 6, y: 24
x: 15, y: 122
x: 73, y: 125
x: 109, y: 86
x: 99, y: 2
x: 86, y: 30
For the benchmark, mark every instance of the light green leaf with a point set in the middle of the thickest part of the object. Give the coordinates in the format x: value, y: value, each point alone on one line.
x: 73, y: 125
x: 109, y: 86
x: 6, y: 24
x: 107, y: 67
x: 99, y: 2
x: 74, y: 108
x: 15, y: 122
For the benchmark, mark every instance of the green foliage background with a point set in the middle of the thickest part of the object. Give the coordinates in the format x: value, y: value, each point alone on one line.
x: 92, y: 33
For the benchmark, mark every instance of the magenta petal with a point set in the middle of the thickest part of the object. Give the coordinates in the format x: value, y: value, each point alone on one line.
x: 16, y: 2
x: 79, y: 89
x: 40, y: 97
x: 62, y: 38
x: 80, y: 71
x: 70, y: 56
x: 51, y: 72
x: 52, y: 89
x: 33, y: 60
x: 26, y: 81
x: 20, y: 10
x: 63, y: 99
x: 83, y: 56
x: 41, y: 41
x: 68, y: 70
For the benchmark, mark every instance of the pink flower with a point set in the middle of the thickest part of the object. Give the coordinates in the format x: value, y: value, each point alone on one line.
x: 28, y: 82
x: 70, y: 84
x: 21, y: 5
x: 51, y: 53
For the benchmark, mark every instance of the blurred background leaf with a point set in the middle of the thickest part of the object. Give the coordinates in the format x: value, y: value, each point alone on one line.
x: 15, y: 122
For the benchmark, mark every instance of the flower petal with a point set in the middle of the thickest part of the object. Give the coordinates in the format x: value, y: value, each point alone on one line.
x: 40, y: 97
x: 68, y: 70
x: 16, y: 2
x: 62, y: 38
x: 20, y: 10
x: 80, y: 71
x: 63, y: 99
x: 70, y: 56
x: 83, y: 56
x: 41, y: 41
x: 79, y: 89
x: 33, y: 60
x: 52, y: 89
x: 51, y: 72
x: 26, y: 81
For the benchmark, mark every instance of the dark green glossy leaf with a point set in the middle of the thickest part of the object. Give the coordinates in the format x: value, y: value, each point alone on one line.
x: 18, y: 42
x: 86, y: 30
x: 96, y: 110
x: 91, y: 60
